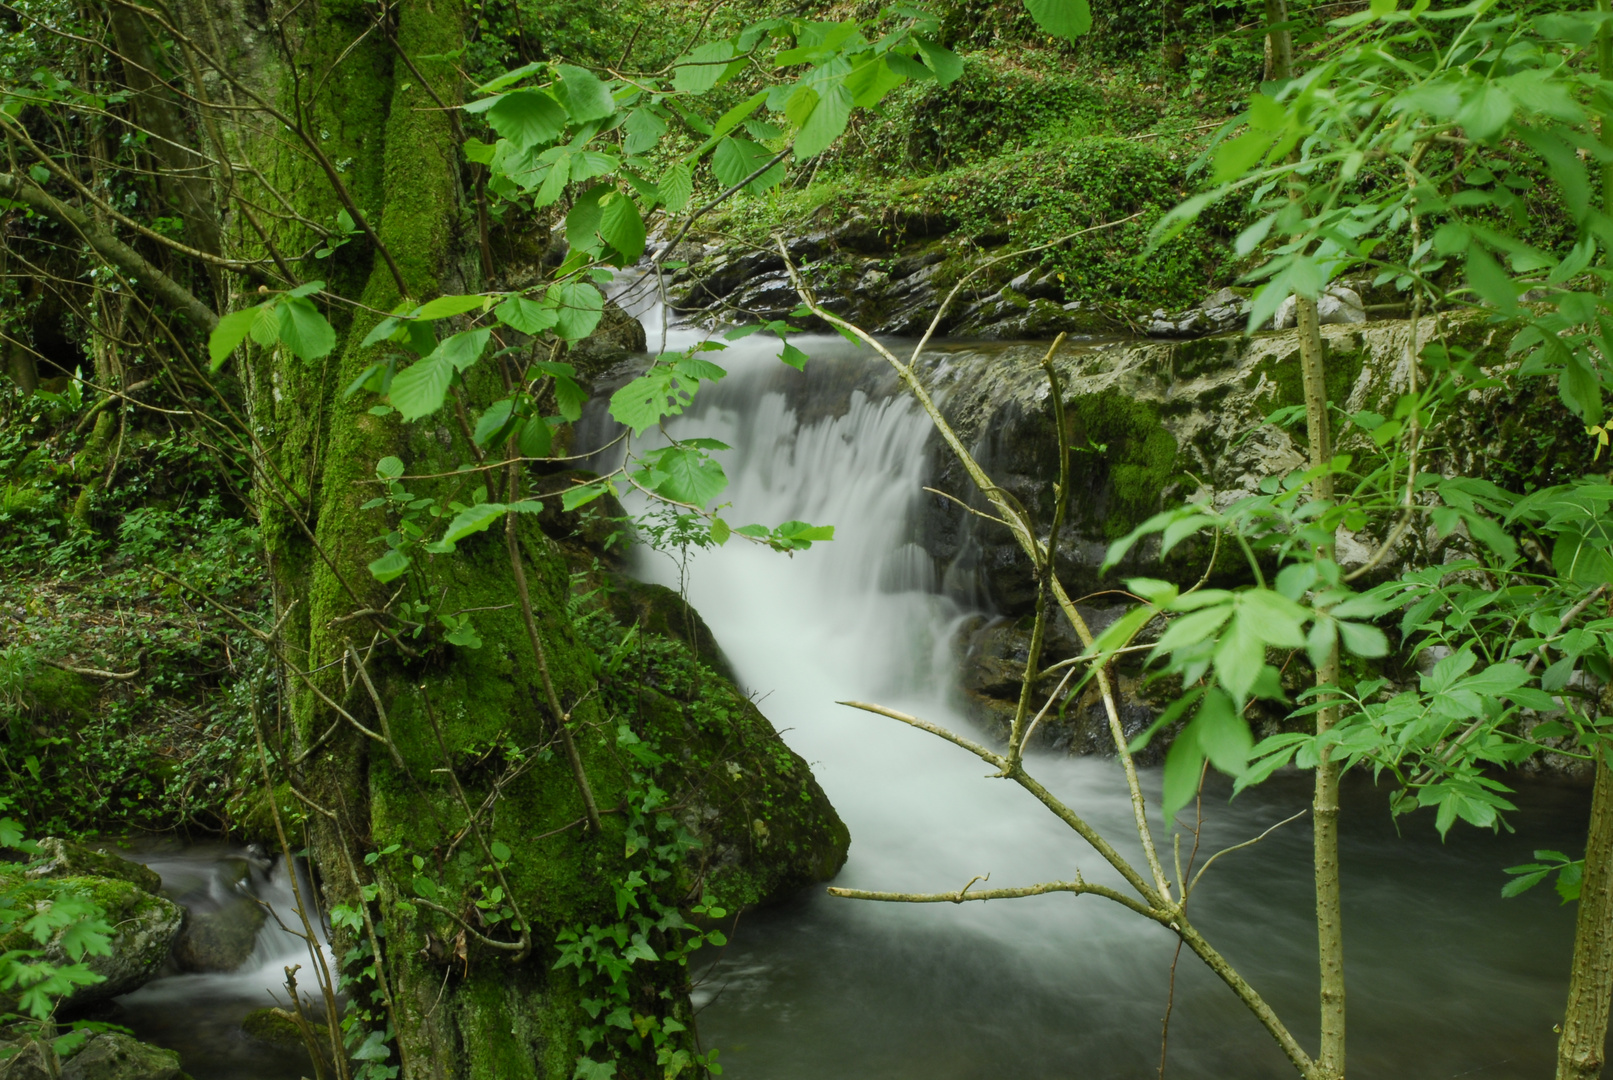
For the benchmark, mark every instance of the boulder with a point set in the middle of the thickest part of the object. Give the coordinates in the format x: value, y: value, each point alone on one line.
x: 144, y: 928
x: 221, y: 939
x: 279, y: 1028
x: 115, y: 1056
x: 1218, y: 313
x: 58, y: 858
x: 1338, y: 306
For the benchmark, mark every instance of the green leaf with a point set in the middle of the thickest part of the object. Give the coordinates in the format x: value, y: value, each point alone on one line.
x: 579, y: 307
x: 622, y: 227
x: 1486, y: 111
x: 473, y: 520
x: 493, y: 422
x: 528, y: 118
x: 1222, y: 734
x: 735, y: 158
x: 584, y: 96
x: 828, y: 120
x: 500, y: 850
x: 444, y: 306
x: 581, y: 495
x: 644, y: 129
x: 1490, y: 281
x: 803, y: 535
x: 569, y: 398
x: 1184, y: 764
x: 1068, y: 19
x: 389, y: 468
x: 526, y: 316
x: 582, y: 221
x: 793, y: 357
x: 691, y: 476
x: 1363, y: 640
x: 675, y: 187
x: 304, y: 330
x: 703, y: 68
x: 389, y: 566
x: 228, y: 334
x: 946, y: 64
x: 870, y: 81
x: 419, y: 389
x: 536, y: 438
x: 1240, y: 656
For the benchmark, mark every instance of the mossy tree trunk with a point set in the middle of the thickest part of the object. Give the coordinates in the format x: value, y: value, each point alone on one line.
x: 460, y: 1005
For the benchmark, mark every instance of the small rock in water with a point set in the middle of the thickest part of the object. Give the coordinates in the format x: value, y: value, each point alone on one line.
x: 113, y: 1056
x: 220, y: 940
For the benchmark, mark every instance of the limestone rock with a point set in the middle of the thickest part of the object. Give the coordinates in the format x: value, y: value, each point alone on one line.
x: 114, y: 1056
x: 58, y: 858
x: 144, y: 928
x: 1339, y: 305
x: 1217, y: 313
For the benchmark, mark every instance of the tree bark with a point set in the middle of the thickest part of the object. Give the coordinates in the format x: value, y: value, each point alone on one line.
x: 1325, y: 807
x: 1580, y: 1051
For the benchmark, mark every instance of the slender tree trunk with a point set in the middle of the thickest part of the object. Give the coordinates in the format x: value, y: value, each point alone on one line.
x: 1325, y: 808
x: 1590, y: 984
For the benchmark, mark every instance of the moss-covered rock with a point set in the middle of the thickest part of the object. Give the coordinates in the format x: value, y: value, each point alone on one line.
x: 58, y: 858
x: 143, y: 929
x: 221, y: 939
x: 112, y: 1055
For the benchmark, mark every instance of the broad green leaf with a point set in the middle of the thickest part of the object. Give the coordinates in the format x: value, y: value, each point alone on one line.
x: 734, y: 159
x: 526, y: 316
x: 509, y: 78
x: 462, y: 349
x: 569, y: 398
x: 445, y: 306
x: 1240, y: 656
x: 644, y: 129
x: 793, y: 357
x: 304, y: 330
x: 582, y: 221
x: 228, y: 334
x: 1068, y: 19
x: 800, y: 534
x: 1184, y: 764
x: 527, y: 118
x: 419, y: 390
x: 579, y: 307
x: 536, y: 438
x: 1222, y: 734
x: 389, y: 566
x: 703, y: 68
x: 622, y: 227
x: 581, y: 495
x: 584, y: 96
x: 473, y: 520
x: 389, y: 468
x: 1490, y: 281
x: 691, y: 476
x: 1486, y: 111
x: 870, y: 81
x: 828, y: 120
x: 1363, y: 640
x: 675, y: 187
x: 493, y: 422
x: 946, y: 64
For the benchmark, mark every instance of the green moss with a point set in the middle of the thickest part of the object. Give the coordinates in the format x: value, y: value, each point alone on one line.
x: 1135, y: 457
x: 62, y: 695
x: 1285, y: 381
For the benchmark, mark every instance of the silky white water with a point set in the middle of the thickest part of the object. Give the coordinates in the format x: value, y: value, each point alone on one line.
x: 1446, y: 979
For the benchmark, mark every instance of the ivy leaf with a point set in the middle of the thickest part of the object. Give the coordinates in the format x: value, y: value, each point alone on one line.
x: 1068, y: 19
x: 304, y: 330
x: 229, y: 333
x: 527, y: 118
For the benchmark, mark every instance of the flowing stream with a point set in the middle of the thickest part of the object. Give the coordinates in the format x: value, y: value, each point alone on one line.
x: 1446, y: 979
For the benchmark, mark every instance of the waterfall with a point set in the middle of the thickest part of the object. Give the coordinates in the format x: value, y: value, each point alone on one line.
x: 1054, y: 985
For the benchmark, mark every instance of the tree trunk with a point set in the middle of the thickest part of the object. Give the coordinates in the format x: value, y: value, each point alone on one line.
x: 1325, y: 807
x: 1590, y: 983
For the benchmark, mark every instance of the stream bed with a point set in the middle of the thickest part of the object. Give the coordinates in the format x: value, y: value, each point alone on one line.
x: 1446, y: 979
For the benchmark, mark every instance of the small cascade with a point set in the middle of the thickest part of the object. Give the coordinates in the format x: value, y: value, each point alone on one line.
x: 1052, y: 986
